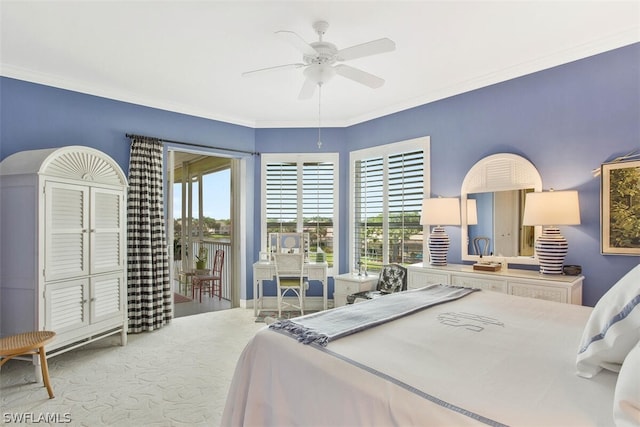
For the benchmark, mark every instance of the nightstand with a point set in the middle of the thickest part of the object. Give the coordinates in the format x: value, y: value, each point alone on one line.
x: 349, y: 283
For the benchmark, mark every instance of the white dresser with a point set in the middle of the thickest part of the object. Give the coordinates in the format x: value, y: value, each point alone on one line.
x: 513, y: 281
x: 350, y: 283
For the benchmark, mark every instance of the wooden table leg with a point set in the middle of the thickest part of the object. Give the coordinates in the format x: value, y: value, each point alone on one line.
x: 45, y: 371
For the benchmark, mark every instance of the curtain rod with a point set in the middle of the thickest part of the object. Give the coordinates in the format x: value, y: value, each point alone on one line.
x: 192, y: 144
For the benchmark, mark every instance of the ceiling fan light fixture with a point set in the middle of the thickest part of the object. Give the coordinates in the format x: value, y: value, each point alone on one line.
x: 319, y: 73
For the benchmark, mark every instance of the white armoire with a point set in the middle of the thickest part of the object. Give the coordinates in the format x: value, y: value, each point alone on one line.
x: 63, y: 245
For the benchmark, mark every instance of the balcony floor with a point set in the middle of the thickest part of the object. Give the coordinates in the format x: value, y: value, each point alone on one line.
x: 194, y: 307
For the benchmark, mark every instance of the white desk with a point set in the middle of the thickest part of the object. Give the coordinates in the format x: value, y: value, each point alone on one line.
x: 265, y: 270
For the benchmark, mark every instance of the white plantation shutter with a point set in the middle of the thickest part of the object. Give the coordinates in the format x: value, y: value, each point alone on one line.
x: 405, y: 194
x: 318, y: 204
x: 66, y: 228
x: 388, y: 185
x: 282, y: 197
x: 369, y: 209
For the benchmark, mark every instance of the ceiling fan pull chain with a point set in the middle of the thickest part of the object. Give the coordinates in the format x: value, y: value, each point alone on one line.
x: 319, y: 115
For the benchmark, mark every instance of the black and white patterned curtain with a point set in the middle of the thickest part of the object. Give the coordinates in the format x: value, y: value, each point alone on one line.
x: 149, y: 284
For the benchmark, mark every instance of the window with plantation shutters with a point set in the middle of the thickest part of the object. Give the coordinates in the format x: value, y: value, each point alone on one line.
x: 281, y: 194
x: 300, y: 194
x: 388, y: 184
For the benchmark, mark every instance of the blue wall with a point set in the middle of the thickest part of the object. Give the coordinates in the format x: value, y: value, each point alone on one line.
x: 566, y: 120
x: 34, y: 116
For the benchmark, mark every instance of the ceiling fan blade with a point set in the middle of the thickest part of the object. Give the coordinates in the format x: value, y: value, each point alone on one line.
x: 298, y: 42
x: 277, y: 67
x: 359, y: 76
x: 308, y: 89
x: 366, y: 49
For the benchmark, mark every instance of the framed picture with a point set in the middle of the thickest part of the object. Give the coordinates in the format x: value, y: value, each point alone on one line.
x: 620, y: 210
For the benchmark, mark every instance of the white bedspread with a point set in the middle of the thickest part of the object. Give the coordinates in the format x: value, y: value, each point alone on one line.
x: 488, y: 358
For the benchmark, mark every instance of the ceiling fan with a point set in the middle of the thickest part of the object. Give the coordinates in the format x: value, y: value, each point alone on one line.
x: 318, y: 59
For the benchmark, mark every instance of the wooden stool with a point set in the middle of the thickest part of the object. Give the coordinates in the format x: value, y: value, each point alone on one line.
x: 28, y: 343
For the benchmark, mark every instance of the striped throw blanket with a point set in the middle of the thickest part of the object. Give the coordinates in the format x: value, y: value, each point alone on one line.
x: 325, y: 326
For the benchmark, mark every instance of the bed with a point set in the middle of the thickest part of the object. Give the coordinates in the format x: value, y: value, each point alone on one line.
x: 484, y: 359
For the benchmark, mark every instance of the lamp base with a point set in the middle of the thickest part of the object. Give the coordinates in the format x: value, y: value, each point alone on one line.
x: 551, y: 249
x: 438, y: 246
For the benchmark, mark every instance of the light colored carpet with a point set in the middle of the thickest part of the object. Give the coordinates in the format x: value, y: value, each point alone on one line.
x: 176, y: 376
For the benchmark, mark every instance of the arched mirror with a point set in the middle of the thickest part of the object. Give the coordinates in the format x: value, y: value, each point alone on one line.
x: 492, y: 200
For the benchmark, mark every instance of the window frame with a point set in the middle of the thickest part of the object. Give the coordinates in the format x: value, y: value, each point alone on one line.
x: 300, y: 159
x: 386, y: 151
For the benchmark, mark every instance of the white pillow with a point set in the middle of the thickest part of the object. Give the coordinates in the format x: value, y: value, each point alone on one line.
x: 613, y: 328
x: 626, y: 401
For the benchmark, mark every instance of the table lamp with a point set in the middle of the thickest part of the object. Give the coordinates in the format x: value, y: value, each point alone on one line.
x: 550, y: 209
x: 440, y: 211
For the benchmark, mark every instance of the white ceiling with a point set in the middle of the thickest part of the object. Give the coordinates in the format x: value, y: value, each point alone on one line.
x: 188, y: 56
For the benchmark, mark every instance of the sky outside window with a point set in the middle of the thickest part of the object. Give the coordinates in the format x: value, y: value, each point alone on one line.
x: 216, y: 196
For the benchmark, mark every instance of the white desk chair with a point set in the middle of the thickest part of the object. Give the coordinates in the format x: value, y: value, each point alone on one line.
x: 290, y: 278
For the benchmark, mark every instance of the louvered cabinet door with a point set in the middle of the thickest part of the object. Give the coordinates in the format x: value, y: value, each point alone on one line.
x: 66, y: 231
x: 107, y: 299
x: 66, y: 305
x: 106, y: 230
